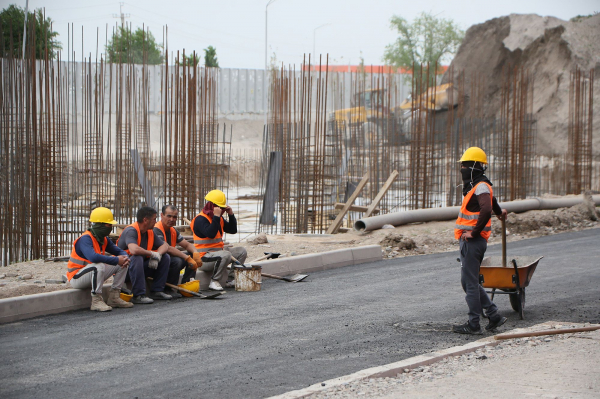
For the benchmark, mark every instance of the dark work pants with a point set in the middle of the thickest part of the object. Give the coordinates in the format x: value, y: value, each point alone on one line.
x: 175, y: 267
x: 471, y: 255
x: 139, y: 270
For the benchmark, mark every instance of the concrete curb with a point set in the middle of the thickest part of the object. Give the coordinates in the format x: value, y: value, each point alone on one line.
x: 393, y: 369
x: 28, y: 306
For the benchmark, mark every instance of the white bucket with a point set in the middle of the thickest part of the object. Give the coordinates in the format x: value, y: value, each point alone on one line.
x: 248, y: 279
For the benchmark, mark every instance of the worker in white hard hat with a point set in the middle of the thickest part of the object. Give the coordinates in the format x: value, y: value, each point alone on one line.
x: 208, y: 228
x: 89, y: 266
x: 473, y: 228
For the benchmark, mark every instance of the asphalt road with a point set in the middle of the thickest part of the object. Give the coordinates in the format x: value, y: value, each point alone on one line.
x: 288, y: 336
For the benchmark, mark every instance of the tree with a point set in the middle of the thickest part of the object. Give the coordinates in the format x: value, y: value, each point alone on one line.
x: 210, y: 57
x: 137, y: 47
x: 427, y: 40
x: 11, y: 29
x: 192, y: 60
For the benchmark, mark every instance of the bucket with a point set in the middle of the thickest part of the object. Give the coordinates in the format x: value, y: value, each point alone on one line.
x: 248, y: 279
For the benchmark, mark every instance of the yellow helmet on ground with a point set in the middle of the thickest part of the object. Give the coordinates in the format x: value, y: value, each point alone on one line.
x: 102, y: 215
x: 475, y: 154
x: 193, y: 285
x: 217, y: 197
x: 126, y: 297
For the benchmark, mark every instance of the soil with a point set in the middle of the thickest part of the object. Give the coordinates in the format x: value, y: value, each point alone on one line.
x: 409, y: 240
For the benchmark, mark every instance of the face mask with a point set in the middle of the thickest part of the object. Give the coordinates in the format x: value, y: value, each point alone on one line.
x: 466, y: 174
x: 99, y: 230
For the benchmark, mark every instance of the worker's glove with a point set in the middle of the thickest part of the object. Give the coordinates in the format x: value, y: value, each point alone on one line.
x: 191, y: 263
x: 153, y: 264
x: 155, y: 255
x: 197, y: 258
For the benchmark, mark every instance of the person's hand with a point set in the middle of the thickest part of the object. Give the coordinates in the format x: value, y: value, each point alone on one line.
x: 191, y: 263
x: 153, y: 264
x: 156, y: 256
x: 123, y: 260
x: 217, y: 211
x: 229, y: 210
x: 466, y: 235
x: 503, y: 215
x: 197, y: 258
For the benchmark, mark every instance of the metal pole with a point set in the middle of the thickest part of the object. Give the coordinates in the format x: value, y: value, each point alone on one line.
x: 25, y: 27
x: 314, y: 38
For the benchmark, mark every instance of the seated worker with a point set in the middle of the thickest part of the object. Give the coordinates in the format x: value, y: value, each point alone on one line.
x: 164, y: 229
x: 89, y: 266
x: 208, y: 228
x: 148, y: 255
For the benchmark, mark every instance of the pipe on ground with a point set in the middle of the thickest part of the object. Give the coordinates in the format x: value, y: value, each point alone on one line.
x: 449, y: 213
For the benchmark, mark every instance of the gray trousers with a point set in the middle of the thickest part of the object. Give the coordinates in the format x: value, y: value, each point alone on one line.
x: 471, y: 255
x: 95, y: 274
x: 217, y: 270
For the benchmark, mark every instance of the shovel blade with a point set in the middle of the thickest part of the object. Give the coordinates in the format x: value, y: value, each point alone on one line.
x: 209, y: 295
x: 296, y: 278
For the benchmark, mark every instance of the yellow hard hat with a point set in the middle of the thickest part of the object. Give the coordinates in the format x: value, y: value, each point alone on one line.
x: 217, y: 197
x: 102, y: 215
x: 126, y: 297
x: 193, y: 285
x: 475, y: 154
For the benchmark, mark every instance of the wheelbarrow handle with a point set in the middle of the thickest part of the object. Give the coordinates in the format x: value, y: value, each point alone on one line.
x: 503, y: 243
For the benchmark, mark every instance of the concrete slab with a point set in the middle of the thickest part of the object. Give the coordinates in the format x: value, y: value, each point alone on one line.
x: 368, y: 253
x: 338, y: 258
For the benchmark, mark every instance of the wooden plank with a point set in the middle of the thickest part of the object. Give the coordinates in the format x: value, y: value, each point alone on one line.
x: 355, y: 208
x: 381, y: 193
x: 344, y: 229
x: 335, y: 225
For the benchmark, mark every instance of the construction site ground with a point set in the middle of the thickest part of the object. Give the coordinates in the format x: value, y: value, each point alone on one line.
x: 409, y: 240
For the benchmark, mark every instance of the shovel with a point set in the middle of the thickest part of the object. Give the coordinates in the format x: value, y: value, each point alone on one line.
x: 292, y: 279
x: 200, y: 295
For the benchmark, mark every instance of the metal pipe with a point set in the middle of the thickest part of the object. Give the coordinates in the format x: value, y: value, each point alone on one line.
x: 449, y: 213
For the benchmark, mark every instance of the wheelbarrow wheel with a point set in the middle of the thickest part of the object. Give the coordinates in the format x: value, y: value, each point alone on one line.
x: 517, y: 302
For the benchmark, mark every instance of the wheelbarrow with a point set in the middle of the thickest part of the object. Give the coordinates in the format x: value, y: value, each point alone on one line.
x: 509, y: 280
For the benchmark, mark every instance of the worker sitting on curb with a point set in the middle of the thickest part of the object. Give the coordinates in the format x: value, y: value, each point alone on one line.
x: 208, y: 228
x: 165, y: 230
x: 473, y: 228
x: 148, y: 256
x: 90, y: 267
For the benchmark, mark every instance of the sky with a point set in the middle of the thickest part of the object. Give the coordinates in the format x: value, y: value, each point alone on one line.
x: 346, y: 30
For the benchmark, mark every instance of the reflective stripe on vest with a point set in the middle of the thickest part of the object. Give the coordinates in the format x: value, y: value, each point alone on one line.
x: 77, y: 262
x: 467, y: 221
x: 150, y: 243
x: 208, y: 244
x: 161, y: 227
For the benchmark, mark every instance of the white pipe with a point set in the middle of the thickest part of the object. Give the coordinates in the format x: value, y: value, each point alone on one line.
x: 449, y: 213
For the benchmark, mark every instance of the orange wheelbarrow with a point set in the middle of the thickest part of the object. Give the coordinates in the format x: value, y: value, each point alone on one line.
x: 510, y: 280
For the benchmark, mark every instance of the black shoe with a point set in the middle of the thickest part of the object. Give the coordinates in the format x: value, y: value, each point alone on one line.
x: 160, y: 295
x: 467, y: 329
x: 493, y: 324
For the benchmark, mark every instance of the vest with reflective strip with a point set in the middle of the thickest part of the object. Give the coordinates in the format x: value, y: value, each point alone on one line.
x: 208, y: 244
x: 467, y: 221
x: 139, y: 235
x: 76, y: 262
x: 162, y: 228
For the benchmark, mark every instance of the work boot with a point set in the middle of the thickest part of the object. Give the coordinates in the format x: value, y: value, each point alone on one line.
x: 98, y: 304
x: 230, y: 284
x: 493, y: 324
x: 160, y: 295
x: 215, y: 286
x: 114, y: 299
x: 174, y: 293
x: 467, y: 329
x: 142, y: 299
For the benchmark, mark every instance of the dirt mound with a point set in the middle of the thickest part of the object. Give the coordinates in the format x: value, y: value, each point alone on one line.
x: 398, y: 242
x: 548, y: 47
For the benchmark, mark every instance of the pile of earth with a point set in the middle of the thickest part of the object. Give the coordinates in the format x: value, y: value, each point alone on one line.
x: 549, y: 49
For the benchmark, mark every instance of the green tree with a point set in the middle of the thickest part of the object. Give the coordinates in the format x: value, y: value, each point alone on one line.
x: 427, y: 40
x: 210, y: 57
x: 12, y: 19
x: 136, y: 47
x: 192, y: 60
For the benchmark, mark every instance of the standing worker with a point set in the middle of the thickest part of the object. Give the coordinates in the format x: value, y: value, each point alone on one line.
x: 208, y: 228
x: 148, y: 256
x: 165, y: 230
x: 90, y: 267
x: 473, y: 228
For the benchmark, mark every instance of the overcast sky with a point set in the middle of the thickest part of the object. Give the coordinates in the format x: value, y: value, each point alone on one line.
x: 236, y: 28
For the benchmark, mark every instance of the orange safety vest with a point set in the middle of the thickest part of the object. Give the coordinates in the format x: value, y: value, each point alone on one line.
x: 162, y: 228
x: 77, y: 262
x: 467, y: 221
x: 139, y: 240
x: 207, y: 243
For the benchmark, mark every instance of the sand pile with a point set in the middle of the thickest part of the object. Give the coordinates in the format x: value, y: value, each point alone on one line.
x: 549, y: 48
